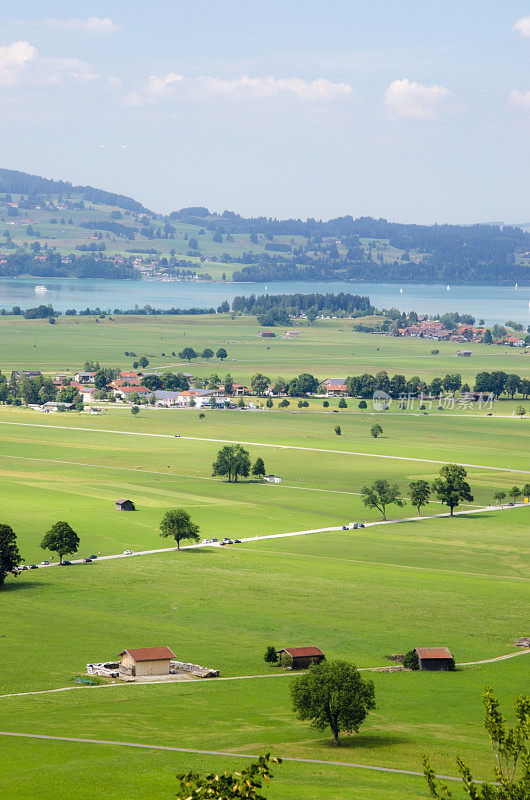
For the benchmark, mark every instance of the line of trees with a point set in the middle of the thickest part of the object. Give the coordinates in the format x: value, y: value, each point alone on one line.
x: 233, y: 462
x: 450, y: 488
x: 296, y: 304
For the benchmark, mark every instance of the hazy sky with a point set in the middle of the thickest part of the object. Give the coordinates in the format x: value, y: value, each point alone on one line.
x: 414, y: 111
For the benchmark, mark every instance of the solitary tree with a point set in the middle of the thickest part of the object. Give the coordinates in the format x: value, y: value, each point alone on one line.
x: 343, y: 403
x: 362, y: 404
x: 451, y: 487
x: 333, y: 694
x: 207, y: 353
x: 135, y: 410
x: 221, y: 354
x: 188, y: 353
x: 232, y: 460
x: 258, y: 469
x: 271, y: 656
x: 177, y: 523
x: 520, y: 411
x: 60, y: 539
x: 381, y: 494
x: 420, y: 491
x: 10, y: 558
x: 337, y: 430
x: 511, y: 768
x: 499, y: 497
x: 284, y: 403
x: 376, y: 430
x: 242, y: 785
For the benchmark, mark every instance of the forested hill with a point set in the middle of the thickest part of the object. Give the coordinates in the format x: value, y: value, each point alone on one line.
x: 15, y: 182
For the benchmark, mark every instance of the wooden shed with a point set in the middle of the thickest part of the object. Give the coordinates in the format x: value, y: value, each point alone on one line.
x: 435, y: 659
x: 145, y: 661
x: 125, y: 505
x: 301, y: 657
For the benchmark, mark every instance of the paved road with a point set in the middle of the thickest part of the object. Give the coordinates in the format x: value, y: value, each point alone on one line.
x: 321, y: 530
x: 221, y: 753
x: 274, y: 446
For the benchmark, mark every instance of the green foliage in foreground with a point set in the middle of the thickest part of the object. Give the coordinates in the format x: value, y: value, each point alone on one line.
x: 10, y: 558
x: 333, y: 694
x: 510, y: 748
x: 228, y: 785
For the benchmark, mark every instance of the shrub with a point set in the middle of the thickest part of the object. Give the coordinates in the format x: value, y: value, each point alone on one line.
x: 325, y: 404
x: 410, y: 660
x: 363, y: 404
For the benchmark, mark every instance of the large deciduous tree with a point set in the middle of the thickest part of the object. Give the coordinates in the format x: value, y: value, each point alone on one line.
x: 60, y: 539
x: 188, y: 353
x: 259, y: 383
x: 10, y: 558
x: 451, y: 487
x: 233, y: 461
x: 420, y: 491
x: 176, y: 523
x: 333, y: 694
x: 382, y: 494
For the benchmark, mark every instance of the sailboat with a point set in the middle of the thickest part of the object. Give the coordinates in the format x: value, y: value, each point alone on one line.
x: 401, y: 291
x: 447, y: 288
x: 515, y: 287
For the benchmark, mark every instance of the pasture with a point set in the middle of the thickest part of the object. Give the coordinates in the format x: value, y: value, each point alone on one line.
x: 358, y: 595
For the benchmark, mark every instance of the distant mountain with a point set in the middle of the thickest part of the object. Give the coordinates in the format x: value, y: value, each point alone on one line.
x: 13, y: 181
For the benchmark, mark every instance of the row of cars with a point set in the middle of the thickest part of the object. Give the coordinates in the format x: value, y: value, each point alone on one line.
x: 352, y: 526
x: 65, y: 563
x: 226, y: 540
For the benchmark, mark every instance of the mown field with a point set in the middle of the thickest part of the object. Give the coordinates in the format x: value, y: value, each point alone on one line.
x: 358, y: 595
x: 328, y: 348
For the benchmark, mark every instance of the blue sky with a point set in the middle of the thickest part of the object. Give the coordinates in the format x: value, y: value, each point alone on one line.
x: 415, y: 111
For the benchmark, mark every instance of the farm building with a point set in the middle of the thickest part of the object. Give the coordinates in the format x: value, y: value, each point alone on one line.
x: 266, y: 334
x: 465, y: 353
x: 435, y: 659
x: 292, y: 334
x: 302, y: 657
x: 145, y: 661
x: 272, y: 478
x: 125, y: 505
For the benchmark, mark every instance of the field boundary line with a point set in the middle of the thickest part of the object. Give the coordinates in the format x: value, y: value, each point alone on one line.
x: 393, y: 770
x: 264, y: 444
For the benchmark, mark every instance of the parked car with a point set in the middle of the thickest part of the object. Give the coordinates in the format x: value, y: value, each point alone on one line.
x: 360, y: 524
x: 65, y: 564
x: 237, y: 541
x: 45, y: 563
x: 226, y: 540
x: 92, y: 557
x: 223, y: 543
x: 177, y: 436
x: 215, y: 540
x: 127, y: 552
x: 344, y: 527
x: 87, y: 560
x: 23, y: 566
x: 33, y: 566
x: 206, y: 541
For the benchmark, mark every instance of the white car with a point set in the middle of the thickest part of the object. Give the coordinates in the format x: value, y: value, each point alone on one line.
x: 127, y: 552
x: 206, y: 541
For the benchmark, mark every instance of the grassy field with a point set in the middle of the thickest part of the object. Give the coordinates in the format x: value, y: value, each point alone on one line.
x: 326, y: 349
x: 362, y: 595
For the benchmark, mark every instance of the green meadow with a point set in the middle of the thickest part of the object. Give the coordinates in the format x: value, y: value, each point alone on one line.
x: 328, y: 348
x: 358, y: 595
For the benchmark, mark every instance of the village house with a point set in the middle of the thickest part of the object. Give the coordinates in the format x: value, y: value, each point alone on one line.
x: 514, y: 341
x: 145, y: 662
x: 167, y: 398
x: 84, y: 377
x: 292, y: 334
x: 465, y: 353
x: 336, y: 387
x: 300, y: 657
x: 435, y: 659
x: 266, y: 334
x: 126, y: 391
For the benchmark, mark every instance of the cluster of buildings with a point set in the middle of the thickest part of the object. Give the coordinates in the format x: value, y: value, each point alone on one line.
x: 433, y: 329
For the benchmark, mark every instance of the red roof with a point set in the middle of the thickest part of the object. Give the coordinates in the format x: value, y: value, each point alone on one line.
x: 301, y: 652
x: 433, y: 652
x: 133, y: 389
x: 149, y: 653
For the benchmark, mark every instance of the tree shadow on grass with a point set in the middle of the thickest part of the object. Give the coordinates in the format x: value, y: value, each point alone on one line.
x: 364, y: 741
x: 12, y: 586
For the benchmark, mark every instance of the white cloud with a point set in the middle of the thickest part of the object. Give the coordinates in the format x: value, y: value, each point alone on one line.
x: 159, y: 86
x: 519, y: 99
x: 56, y: 70
x: 90, y: 25
x: 522, y: 26
x: 412, y: 100
x: 14, y: 58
